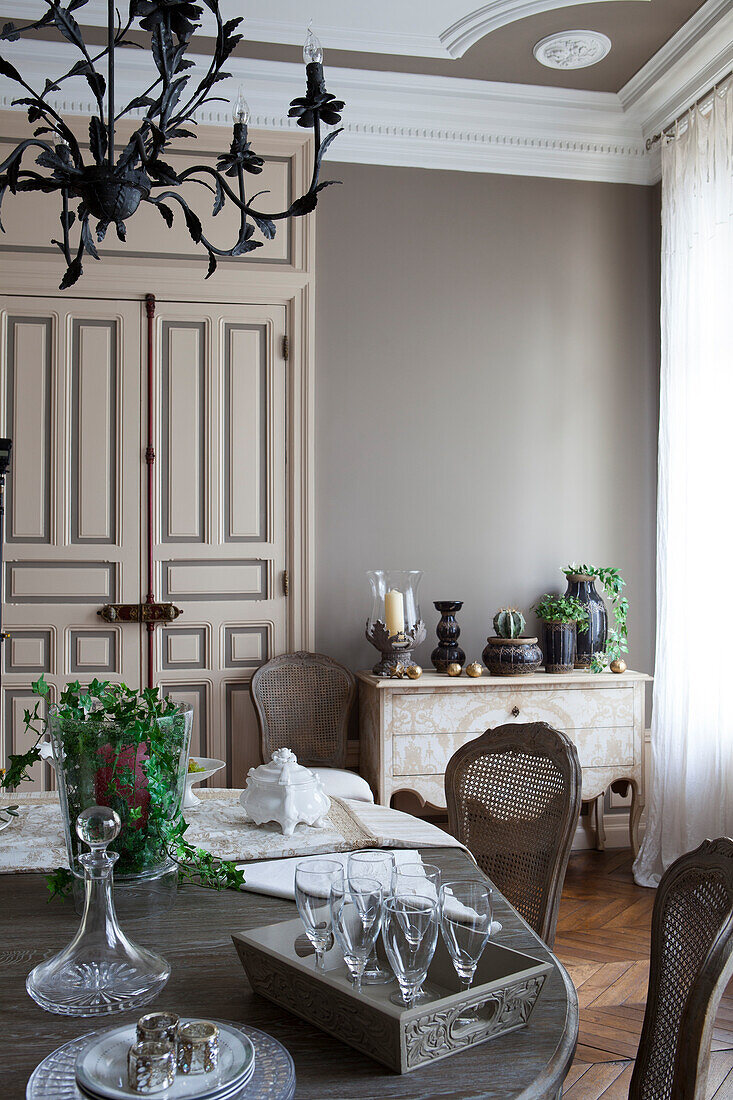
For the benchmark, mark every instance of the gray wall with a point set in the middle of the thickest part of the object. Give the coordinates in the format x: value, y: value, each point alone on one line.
x: 486, y: 403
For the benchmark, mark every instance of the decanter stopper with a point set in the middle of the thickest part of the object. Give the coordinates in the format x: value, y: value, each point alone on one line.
x: 98, y: 826
x: 101, y: 971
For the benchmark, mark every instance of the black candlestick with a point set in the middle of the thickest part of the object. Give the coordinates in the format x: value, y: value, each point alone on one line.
x: 447, y: 651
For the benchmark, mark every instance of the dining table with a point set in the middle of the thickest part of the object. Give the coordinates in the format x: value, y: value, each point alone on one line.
x: 207, y: 980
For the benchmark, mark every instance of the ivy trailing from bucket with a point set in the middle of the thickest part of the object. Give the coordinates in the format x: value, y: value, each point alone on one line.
x: 131, y: 744
x: 613, y: 586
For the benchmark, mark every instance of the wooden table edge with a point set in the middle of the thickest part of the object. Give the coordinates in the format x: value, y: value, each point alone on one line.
x: 549, y: 1084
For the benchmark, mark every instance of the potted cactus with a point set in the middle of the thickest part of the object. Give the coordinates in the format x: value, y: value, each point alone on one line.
x: 510, y: 653
x: 561, y: 618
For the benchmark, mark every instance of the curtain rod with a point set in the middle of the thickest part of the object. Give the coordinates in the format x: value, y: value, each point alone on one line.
x: 668, y: 130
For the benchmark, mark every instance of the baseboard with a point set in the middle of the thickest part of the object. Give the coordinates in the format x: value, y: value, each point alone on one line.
x: 615, y: 819
x: 616, y: 827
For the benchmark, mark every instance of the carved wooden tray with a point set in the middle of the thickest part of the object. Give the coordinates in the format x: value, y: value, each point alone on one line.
x: 505, y: 990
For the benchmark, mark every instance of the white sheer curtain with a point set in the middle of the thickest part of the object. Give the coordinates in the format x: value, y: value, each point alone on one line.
x: 691, y: 797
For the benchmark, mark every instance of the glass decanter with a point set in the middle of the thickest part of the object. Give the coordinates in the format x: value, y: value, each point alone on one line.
x: 101, y: 971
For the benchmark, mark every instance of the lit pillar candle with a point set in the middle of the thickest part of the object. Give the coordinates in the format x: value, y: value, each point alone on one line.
x: 394, y: 612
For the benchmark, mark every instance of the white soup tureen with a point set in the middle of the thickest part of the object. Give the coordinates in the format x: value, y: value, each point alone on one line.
x: 285, y: 792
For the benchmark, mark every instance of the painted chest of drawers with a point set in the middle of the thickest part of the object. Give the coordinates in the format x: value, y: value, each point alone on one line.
x: 409, y: 729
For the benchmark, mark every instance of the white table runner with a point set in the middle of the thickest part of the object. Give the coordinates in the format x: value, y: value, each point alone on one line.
x: 35, y: 841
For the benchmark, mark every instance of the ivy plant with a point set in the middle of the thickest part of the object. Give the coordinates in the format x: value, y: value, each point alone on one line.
x: 124, y: 749
x: 20, y: 763
x: 613, y: 586
x: 561, y: 609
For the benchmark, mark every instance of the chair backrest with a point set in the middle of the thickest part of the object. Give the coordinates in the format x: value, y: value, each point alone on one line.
x: 513, y: 799
x: 691, y: 964
x: 303, y: 702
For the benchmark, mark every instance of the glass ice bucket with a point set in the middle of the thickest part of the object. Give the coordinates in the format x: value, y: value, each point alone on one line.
x: 106, y: 763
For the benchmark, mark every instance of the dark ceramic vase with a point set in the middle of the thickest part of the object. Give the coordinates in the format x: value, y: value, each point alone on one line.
x: 447, y: 651
x: 512, y: 656
x: 559, y: 646
x: 592, y: 640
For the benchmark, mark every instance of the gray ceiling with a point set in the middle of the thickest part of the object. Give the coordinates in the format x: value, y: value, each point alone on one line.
x: 637, y: 29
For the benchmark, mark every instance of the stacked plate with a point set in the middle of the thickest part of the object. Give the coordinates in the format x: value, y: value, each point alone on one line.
x: 273, y: 1079
x: 101, y: 1068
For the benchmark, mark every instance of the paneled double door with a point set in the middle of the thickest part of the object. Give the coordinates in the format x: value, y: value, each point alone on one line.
x: 74, y: 388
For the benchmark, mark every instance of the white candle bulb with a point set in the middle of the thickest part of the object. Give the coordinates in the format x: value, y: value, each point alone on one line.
x: 312, y: 50
x: 240, y: 110
x: 394, y: 612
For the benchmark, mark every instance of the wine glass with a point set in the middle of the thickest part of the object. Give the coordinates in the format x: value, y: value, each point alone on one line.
x: 465, y: 924
x: 313, y: 881
x: 417, y: 877
x: 380, y: 865
x: 410, y: 933
x: 356, y: 914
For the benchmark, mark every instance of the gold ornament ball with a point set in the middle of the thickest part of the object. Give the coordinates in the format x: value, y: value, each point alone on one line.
x: 619, y: 665
x: 414, y: 672
x: 454, y: 669
x: 474, y: 669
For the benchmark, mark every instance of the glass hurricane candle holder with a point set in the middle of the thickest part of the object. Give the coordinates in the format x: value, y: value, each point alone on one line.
x: 394, y: 626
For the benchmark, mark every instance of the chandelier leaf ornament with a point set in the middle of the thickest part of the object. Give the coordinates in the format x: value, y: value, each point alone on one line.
x: 110, y: 186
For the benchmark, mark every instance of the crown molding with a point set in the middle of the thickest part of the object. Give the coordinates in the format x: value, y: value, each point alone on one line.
x: 450, y: 123
x: 393, y: 27
x: 402, y: 118
x: 697, y: 56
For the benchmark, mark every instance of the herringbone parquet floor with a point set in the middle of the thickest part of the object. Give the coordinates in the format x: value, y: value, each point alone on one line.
x: 603, y: 940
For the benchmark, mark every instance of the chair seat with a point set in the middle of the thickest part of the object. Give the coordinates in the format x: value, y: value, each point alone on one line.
x: 340, y: 783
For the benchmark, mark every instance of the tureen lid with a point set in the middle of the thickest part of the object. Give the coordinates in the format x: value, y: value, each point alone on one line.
x: 283, y: 769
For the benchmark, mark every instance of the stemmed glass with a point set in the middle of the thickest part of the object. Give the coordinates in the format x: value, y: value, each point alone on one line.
x: 313, y: 881
x: 380, y: 865
x: 465, y: 923
x: 410, y: 933
x: 417, y: 877
x: 356, y: 914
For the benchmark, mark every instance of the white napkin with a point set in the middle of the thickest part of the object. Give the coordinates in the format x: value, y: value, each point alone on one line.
x: 276, y: 877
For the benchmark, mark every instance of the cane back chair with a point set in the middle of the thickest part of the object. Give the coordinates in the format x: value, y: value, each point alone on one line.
x: 303, y: 702
x: 513, y: 798
x: 691, y: 965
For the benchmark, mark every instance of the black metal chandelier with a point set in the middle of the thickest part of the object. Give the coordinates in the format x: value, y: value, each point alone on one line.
x: 110, y: 188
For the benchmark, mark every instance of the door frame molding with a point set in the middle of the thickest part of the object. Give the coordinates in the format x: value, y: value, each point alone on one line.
x: 34, y: 274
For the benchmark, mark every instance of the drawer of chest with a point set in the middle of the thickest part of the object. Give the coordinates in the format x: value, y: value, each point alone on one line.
x: 475, y: 711
x: 597, y: 747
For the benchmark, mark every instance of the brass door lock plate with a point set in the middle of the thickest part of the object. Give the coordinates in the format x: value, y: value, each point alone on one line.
x: 139, y: 612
